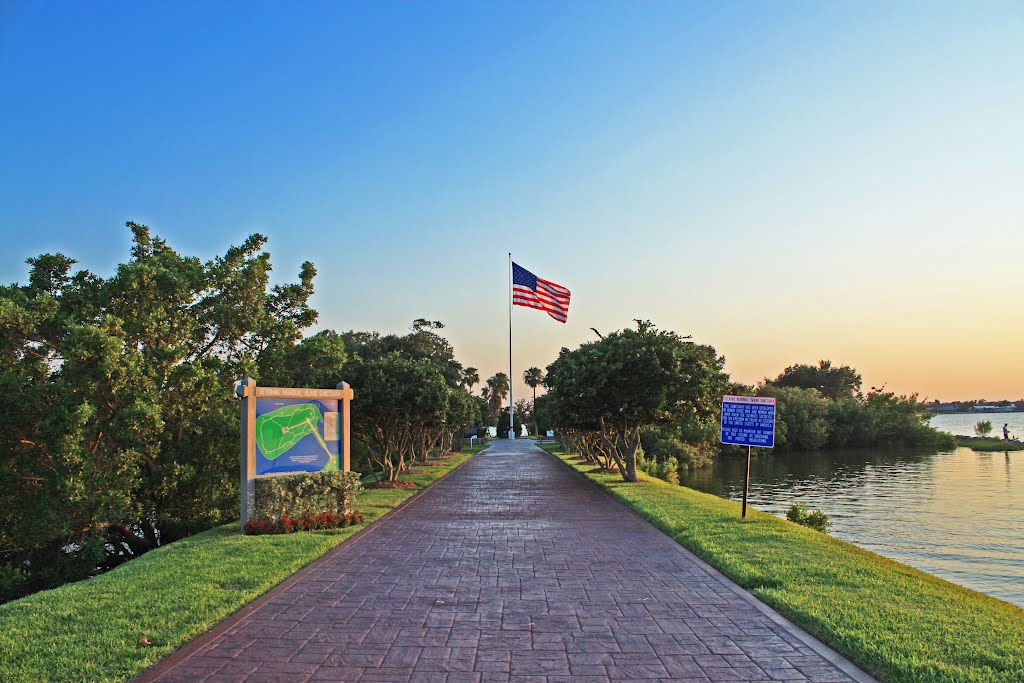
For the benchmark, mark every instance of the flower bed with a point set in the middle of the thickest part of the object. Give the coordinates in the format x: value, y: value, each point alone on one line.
x: 308, y: 521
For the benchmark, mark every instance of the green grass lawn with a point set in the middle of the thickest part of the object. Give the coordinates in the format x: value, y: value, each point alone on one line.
x: 89, y: 631
x: 990, y: 444
x: 895, y: 622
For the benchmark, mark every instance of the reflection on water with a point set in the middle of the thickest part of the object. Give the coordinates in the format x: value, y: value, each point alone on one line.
x: 958, y: 515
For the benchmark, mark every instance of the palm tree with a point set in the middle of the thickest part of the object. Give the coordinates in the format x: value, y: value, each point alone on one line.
x: 470, y: 378
x: 534, y: 377
x: 499, y: 390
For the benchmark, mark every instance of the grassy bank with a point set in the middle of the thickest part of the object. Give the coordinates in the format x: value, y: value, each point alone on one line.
x: 90, y: 630
x: 983, y: 444
x: 895, y: 622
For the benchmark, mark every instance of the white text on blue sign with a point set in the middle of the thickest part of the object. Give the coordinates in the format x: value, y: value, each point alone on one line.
x: 748, y: 421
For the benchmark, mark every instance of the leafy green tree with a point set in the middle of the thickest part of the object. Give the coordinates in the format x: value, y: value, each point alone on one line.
x: 834, y: 383
x: 470, y: 378
x: 800, y: 417
x: 119, y: 426
x: 524, y: 413
x: 983, y: 428
x: 498, y: 386
x: 398, y: 397
x: 315, y: 362
x: 399, y: 424
x: 502, y: 425
x: 542, y: 414
x: 534, y: 377
x: 632, y: 379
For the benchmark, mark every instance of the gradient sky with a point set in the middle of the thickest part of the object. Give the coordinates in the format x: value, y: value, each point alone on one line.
x: 786, y: 181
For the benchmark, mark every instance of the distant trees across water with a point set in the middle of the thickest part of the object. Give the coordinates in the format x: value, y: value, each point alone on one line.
x: 650, y: 400
x: 822, y: 406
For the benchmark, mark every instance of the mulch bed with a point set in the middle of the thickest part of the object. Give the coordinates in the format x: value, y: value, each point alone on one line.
x: 603, y: 470
x: 432, y: 464
x: 390, y: 485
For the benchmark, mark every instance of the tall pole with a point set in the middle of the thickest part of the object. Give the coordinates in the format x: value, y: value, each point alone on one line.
x: 511, y: 416
x: 746, y: 483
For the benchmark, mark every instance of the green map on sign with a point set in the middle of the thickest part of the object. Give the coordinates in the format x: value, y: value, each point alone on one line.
x: 279, y: 430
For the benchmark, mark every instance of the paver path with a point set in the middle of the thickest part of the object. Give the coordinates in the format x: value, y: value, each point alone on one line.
x: 512, y: 568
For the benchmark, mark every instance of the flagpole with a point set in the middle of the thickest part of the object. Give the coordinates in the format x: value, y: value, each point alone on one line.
x: 511, y: 415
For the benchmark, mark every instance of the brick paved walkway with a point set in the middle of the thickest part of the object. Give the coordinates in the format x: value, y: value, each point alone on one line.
x: 512, y: 568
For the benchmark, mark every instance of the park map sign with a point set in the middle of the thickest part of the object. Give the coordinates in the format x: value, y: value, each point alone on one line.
x: 297, y: 435
x: 291, y: 431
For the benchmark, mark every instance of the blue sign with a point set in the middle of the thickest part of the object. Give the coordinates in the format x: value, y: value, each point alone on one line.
x: 297, y: 435
x: 748, y: 421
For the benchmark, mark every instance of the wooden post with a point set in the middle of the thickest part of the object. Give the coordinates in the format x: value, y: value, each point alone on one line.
x: 346, y: 427
x: 746, y: 483
x: 247, y: 392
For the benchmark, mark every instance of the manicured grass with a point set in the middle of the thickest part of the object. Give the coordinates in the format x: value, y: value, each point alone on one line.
x: 989, y: 444
x: 90, y: 630
x: 894, y: 621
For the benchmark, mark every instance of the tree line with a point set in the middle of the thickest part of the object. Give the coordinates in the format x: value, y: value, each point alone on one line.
x: 649, y: 399
x: 118, y: 419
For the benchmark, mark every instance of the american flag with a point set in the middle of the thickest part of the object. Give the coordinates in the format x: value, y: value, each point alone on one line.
x: 533, y: 292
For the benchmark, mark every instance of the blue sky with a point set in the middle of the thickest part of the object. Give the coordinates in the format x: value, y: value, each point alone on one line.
x: 786, y: 181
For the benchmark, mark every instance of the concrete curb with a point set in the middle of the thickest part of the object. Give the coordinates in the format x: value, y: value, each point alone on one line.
x: 165, y: 665
x: 826, y: 652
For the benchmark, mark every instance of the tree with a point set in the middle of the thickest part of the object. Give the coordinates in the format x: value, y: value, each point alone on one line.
x: 834, y: 383
x: 316, y: 362
x: 498, y: 385
x: 119, y: 423
x: 534, y: 377
x: 470, y: 378
x: 502, y: 421
x: 801, y: 421
x: 524, y: 414
x: 399, y: 399
x: 631, y: 379
x: 401, y: 424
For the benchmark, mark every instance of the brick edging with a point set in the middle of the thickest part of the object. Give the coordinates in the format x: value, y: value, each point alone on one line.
x: 822, y: 649
x: 163, y: 666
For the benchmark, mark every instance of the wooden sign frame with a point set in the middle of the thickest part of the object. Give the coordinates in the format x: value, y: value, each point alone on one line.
x: 248, y: 391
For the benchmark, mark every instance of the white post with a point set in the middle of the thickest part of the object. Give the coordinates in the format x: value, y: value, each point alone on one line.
x: 511, y: 409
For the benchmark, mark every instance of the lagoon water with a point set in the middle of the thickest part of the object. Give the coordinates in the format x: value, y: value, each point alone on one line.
x: 958, y: 515
x: 963, y: 423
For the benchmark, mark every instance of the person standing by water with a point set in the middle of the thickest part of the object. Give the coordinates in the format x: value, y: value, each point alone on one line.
x: 1006, y: 432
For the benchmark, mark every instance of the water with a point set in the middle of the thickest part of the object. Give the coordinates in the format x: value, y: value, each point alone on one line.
x: 963, y: 423
x: 958, y: 515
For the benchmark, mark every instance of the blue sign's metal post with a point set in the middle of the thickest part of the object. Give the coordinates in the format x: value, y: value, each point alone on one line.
x: 746, y: 482
x: 748, y: 421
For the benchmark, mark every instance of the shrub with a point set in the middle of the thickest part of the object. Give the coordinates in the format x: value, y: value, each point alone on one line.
x: 291, y: 495
x: 308, y: 521
x: 816, y: 520
x: 983, y: 428
x: 12, y: 581
x: 667, y: 469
